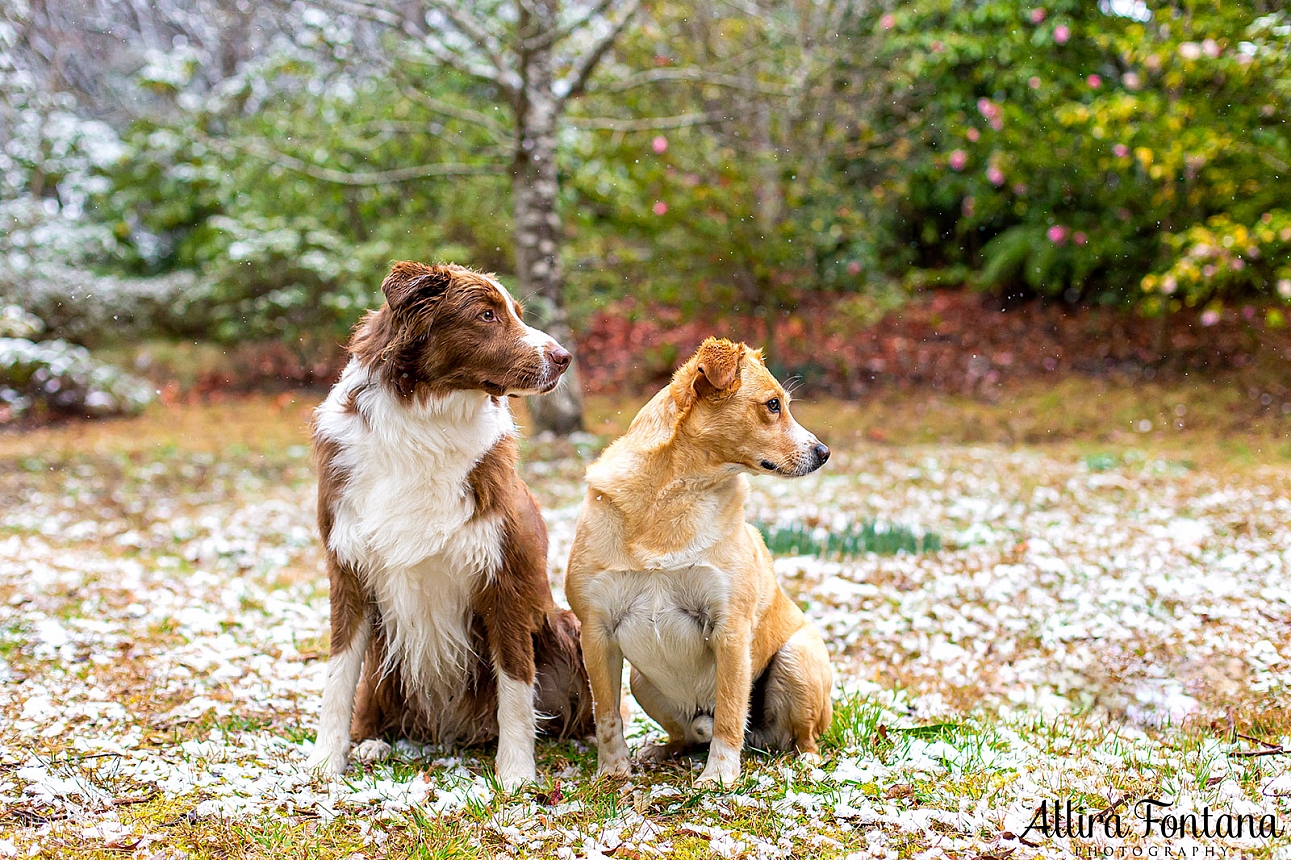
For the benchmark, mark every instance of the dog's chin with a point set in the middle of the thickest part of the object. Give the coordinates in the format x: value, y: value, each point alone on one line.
x: 533, y: 387
x: 786, y: 470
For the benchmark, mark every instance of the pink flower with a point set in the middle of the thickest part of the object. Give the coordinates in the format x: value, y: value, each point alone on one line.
x: 1038, y: 15
x: 1094, y: 82
x: 1132, y: 81
x: 1208, y: 270
x: 997, y: 123
x: 1169, y: 284
x: 1210, y: 317
x: 1080, y: 238
x: 1034, y: 82
x: 660, y: 208
x: 958, y: 159
x: 1237, y: 264
x: 1210, y: 48
x: 1120, y: 150
x: 1057, y: 234
x: 972, y: 134
x: 995, y: 175
x: 853, y: 268
x: 1061, y: 34
x: 659, y: 144
x: 938, y: 46
x: 888, y: 21
x: 986, y: 108
x: 969, y: 204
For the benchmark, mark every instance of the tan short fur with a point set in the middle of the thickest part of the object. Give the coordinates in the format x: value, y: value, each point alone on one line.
x: 665, y: 571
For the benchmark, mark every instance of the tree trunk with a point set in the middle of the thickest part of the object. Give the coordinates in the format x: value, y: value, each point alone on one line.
x: 537, y: 225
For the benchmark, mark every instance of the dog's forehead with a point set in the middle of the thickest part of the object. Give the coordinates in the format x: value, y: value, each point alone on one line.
x: 479, y: 285
x: 756, y: 376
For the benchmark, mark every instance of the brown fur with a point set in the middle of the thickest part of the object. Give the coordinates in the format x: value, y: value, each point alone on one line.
x: 401, y: 338
x: 430, y: 338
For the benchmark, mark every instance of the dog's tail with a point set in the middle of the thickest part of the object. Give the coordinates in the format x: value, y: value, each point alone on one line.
x: 564, y: 699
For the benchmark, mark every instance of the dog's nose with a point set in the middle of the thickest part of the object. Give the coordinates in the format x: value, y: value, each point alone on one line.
x: 560, y: 356
x: 821, y: 452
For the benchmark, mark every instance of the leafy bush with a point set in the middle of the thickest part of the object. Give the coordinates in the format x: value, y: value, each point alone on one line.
x: 57, y: 379
x: 1065, y: 148
x: 78, y: 305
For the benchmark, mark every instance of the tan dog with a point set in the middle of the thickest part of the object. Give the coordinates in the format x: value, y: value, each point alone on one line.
x: 665, y: 572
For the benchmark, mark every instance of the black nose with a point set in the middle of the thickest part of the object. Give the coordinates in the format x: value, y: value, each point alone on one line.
x: 560, y: 357
x: 821, y: 452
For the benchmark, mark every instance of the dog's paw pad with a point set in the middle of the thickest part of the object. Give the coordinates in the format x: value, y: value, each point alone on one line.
x: 371, y: 750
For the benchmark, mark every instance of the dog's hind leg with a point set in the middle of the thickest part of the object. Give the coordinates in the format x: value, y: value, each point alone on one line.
x: 795, y: 696
x: 564, y: 700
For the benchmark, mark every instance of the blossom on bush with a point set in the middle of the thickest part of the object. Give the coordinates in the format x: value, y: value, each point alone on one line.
x: 958, y: 159
x: 1061, y: 34
x: 1057, y: 234
x: 1222, y: 256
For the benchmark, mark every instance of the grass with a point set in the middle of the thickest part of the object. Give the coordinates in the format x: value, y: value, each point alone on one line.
x: 853, y: 540
x: 238, y: 449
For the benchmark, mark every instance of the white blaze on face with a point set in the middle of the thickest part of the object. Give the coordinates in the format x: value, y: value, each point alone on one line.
x: 803, y: 439
x: 542, y: 342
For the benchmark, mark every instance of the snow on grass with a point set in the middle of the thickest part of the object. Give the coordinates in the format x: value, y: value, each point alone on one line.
x: 1095, y: 633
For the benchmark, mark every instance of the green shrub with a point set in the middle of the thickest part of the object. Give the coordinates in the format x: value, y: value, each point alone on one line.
x: 55, y: 379
x: 1059, y: 148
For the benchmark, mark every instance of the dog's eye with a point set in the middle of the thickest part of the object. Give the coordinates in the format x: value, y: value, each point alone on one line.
x: 774, y: 405
x: 488, y: 316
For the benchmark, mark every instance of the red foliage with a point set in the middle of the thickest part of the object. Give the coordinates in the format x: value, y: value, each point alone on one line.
x: 953, y: 341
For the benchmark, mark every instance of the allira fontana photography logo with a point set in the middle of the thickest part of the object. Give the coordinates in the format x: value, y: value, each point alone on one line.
x: 1147, y: 818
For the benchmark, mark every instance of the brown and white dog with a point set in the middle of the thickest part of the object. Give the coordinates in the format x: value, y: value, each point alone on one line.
x: 443, y: 626
x: 666, y: 572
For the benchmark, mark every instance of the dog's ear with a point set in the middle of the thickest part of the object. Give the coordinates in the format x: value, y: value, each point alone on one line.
x: 714, y: 370
x: 413, y: 286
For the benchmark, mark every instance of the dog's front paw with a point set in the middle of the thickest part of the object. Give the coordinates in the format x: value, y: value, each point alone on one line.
x: 371, y: 750
x: 513, y: 775
x: 714, y: 776
x: 614, y: 764
x: 723, y: 766
x: 329, y: 759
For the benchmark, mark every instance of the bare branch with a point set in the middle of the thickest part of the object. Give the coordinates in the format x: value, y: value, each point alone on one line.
x: 685, y: 120
x: 475, y: 32
x: 474, y: 117
x: 554, y: 35
x: 498, y: 75
x: 693, y: 74
x: 584, y: 66
x: 266, y: 153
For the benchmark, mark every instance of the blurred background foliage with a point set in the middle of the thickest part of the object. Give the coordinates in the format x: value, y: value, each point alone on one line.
x: 227, y: 171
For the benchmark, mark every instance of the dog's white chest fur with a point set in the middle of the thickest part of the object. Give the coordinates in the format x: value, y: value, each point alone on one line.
x: 403, y: 519
x: 663, y: 621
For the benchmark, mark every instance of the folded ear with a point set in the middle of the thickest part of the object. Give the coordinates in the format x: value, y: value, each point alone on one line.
x: 411, y: 286
x: 714, y: 370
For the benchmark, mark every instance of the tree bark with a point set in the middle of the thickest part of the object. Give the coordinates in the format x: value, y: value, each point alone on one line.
x: 535, y: 187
